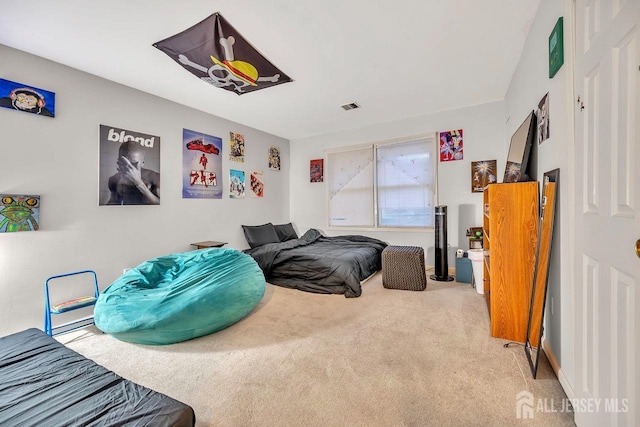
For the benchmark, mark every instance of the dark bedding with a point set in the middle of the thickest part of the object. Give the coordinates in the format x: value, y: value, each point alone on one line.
x: 320, y: 264
x: 44, y: 383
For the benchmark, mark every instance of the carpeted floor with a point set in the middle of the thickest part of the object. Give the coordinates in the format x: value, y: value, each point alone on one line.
x: 388, y: 358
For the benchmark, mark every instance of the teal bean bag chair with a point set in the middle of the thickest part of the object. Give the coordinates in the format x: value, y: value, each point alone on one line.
x: 180, y: 296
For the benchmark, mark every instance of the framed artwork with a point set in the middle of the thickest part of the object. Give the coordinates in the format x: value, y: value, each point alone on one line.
x: 19, y: 212
x: 451, y: 146
x: 542, y: 113
x: 274, y: 158
x: 236, y: 184
x: 316, y: 170
x: 27, y: 99
x: 129, y: 167
x: 483, y: 173
x: 236, y: 142
x: 257, y: 184
x: 201, y: 165
x: 556, y: 48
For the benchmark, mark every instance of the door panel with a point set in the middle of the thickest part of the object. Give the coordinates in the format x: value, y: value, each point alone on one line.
x: 607, y: 218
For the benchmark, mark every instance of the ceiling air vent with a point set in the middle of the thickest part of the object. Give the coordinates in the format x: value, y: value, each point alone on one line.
x: 351, y: 106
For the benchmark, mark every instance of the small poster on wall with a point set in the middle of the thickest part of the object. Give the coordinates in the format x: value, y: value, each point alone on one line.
x: 451, y: 145
x: 274, y: 158
x: 129, y: 167
x: 236, y: 184
x: 483, y: 173
x: 19, y: 212
x: 236, y: 143
x: 257, y: 184
x: 542, y: 114
x: 201, y: 165
x: 28, y: 99
x: 316, y: 170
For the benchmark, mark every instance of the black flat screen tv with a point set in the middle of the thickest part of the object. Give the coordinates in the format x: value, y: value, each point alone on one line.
x: 520, y: 149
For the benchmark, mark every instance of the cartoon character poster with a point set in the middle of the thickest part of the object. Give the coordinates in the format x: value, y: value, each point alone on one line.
x: 236, y: 184
x: 483, y: 173
x: 129, y: 167
x: 236, y: 141
x: 316, y: 170
x: 451, y: 145
x: 28, y: 99
x: 257, y: 183
x: 19, y: 213
x: 201, y: 165
x: 274, y: 158
x: 216, y: 53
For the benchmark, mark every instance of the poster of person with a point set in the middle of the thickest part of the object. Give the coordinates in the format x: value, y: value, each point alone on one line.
x: 28, y: 99
x: 129, y: 167
x: 274, y: 158
x: 451, y: 145
x: 542, y: 114
x: 201, y: 165
x: 19, y: 212
x: 256, y: 180
x: 236, y: 184
x: 483, y: 173
x: 236, y: 141
x: 316, y: 170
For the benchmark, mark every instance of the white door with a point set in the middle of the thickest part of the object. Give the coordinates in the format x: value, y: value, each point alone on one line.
x: 606, y: 312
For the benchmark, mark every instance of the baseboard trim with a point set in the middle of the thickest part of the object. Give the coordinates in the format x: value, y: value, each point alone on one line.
x: 562, y: 378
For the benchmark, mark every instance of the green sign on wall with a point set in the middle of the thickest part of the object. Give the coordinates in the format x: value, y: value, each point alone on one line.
x: 556, y: 49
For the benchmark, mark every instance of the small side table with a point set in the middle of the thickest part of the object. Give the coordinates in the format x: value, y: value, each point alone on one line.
x: 208, y: 244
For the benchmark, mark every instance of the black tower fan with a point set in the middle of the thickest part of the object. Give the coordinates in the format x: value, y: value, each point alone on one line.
x: 442, y: 261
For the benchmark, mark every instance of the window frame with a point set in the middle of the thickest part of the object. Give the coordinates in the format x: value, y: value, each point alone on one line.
x: 433, y: 136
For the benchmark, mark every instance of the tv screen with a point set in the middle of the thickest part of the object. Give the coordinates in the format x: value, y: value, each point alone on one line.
x: 519, y: 150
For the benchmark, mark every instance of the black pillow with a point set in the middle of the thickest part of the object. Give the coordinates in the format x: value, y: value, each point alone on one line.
x: 285, y: 232
x: 258, y: 235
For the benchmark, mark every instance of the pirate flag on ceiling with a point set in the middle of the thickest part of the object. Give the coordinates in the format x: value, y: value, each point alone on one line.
x: 215, y: 52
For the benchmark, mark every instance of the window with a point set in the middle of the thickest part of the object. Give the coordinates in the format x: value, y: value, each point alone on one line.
x: 383, y: 185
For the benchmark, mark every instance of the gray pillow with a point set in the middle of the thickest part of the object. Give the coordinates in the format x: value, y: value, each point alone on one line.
x: 258, y: 235
x: 285, y: 232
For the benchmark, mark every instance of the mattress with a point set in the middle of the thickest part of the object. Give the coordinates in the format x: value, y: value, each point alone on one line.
x: 44, y: 383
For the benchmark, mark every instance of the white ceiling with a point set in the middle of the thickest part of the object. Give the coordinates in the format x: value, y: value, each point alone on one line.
x: 396, y: 59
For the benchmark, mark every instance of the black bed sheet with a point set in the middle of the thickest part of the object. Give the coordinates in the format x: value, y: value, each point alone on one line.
x: 44, y: 383
x: 321, y: 264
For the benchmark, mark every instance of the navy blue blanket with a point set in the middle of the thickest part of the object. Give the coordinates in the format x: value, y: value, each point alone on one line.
x: 44, y: 383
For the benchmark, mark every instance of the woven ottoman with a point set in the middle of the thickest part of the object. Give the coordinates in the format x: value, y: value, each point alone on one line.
x: 403, y: 268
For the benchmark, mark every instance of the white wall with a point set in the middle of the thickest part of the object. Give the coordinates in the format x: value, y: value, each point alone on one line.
x: 58, y: 159
x: 484, y: 139
x: 529, y: 84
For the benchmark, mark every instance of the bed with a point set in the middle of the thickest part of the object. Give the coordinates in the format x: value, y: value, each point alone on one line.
x: 320, y: 264
x: 44, y: 383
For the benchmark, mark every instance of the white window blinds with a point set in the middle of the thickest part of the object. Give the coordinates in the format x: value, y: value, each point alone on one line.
x: 350, y: 183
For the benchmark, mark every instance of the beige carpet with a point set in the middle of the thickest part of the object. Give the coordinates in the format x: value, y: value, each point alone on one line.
x: 388, y: 358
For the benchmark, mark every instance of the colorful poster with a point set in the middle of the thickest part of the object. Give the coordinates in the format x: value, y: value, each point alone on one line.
x: 129, y: 167
x: 451, y: 145
x: 19, y: 213
x: 257, y: 184
x: 28, y: 99
x: 316, y: 170
x: 215, y: 52
x: 236, y: 184
x: 274, y: 158
x: 483, y: 173
x: 236, y: 141
x: 201, y: 165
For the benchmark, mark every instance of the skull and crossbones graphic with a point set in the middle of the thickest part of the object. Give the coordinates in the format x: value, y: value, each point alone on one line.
x: 229, y: 72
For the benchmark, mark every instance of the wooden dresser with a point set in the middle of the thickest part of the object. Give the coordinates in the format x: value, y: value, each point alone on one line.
x: 510, y: 236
